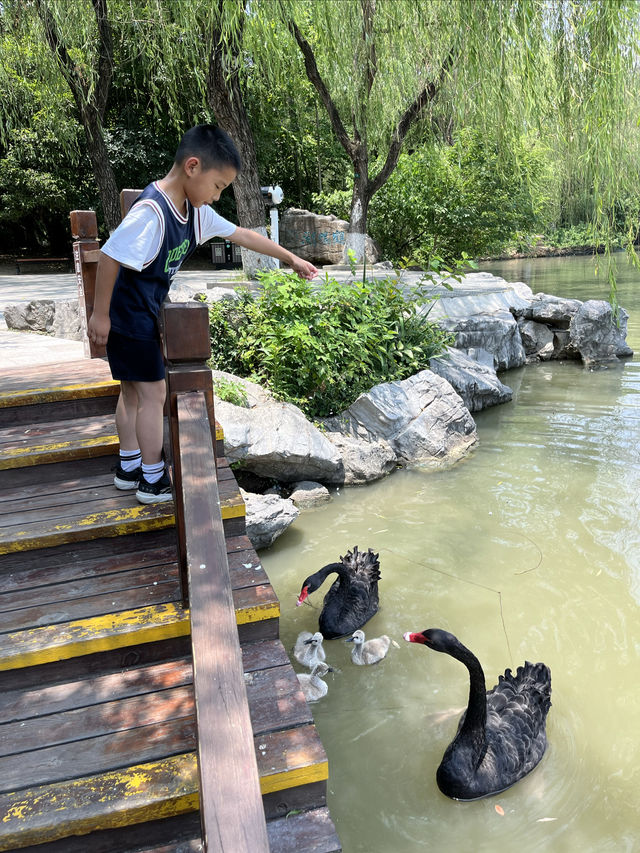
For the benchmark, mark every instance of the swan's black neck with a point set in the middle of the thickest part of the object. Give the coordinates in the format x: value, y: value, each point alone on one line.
x: 473, y: 728
x: 329, y: 569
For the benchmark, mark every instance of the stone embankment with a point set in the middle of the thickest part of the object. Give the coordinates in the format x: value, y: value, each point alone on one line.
x: 425, y: 419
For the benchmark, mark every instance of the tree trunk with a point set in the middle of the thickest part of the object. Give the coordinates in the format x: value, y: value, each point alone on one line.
x: 357, y: 234
x: 225, y: 99
x: 102, y: 171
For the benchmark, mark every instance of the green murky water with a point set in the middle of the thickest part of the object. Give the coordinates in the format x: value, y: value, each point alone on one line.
x: 529, y: 548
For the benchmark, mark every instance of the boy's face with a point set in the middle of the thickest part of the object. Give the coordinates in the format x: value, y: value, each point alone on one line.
x: 203, y: 186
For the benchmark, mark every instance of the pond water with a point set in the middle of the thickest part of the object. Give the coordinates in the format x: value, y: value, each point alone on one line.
x: 527, y: 549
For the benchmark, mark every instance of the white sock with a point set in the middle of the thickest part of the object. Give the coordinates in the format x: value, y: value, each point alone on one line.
x: 130, y: 459
x: 152, y: 473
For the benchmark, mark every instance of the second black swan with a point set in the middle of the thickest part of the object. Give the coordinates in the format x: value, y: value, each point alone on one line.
x: 501, y: 736
x: 353, y: 596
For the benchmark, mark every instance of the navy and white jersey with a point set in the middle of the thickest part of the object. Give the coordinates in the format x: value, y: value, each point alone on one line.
x: 150, y: 245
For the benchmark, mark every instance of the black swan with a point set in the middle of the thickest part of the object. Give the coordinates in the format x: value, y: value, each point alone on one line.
x: 353, y: 597
x: 501, y: 736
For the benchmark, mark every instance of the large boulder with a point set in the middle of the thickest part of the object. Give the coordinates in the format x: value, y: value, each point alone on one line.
x: 364, y: 457
x: 596, y: 335
x: 495, y: 332
x: 268, y: 516
x: 35, y: 316
x: 66, y: 320
x: 477, y: 383
x: 538, y: 339
x: 552, y: 310
x: 422, y: 418
x: 319, y: 239
x: 274, y: 439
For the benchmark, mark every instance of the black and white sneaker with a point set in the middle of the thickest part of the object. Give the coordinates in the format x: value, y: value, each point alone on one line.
x: 155, y: 493
x: 127, y: 479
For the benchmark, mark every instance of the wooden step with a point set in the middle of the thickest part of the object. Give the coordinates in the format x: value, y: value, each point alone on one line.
x: 118, y: 749
x: 74, y: 600
x: 68, y: 390
x: 57, y: 441
x: 62, y: 511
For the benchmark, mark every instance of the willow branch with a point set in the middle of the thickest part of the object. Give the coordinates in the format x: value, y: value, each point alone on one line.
x: 412, y: 112
x: 314, y: 76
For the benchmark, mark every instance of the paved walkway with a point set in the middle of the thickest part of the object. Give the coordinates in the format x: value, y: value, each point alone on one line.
x: 476, y: 293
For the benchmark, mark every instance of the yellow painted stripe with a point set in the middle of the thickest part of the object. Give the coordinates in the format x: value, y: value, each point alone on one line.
x: 258, y: 613
x: 143, y: 792
x: 34, y: 396
x: 88, y: 636
x: 297, y: 776
x: 67, y: 640
x: 116, y: 522
x: 41, y: 454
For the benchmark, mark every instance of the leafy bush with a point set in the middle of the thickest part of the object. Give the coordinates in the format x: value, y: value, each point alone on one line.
x: 320, y: 347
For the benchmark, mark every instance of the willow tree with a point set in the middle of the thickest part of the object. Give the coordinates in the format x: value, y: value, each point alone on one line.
x: 77, y: 36
x: 556, y: 68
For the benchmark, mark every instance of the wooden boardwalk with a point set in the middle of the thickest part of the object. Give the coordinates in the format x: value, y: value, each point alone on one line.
x: 98, y: 728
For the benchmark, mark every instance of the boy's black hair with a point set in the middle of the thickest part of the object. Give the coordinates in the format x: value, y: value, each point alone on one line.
x: 211, y: 145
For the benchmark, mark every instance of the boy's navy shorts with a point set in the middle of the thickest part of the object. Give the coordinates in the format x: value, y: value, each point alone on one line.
x: 133, y: 360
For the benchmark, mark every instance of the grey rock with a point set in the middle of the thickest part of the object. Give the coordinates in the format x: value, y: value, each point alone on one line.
x: 319, y: 239
x: 66, y: 320
x: 552, y: 310
x: 275, y: 439
x: 422, y: 418
x: 35, y: 316
x: 496, y: 332
x: 538, y: 340
x: 307, y: 494
x: 595, y: 334
x: 268, y: 516
x: 364, y: 458
x: 476, y: 382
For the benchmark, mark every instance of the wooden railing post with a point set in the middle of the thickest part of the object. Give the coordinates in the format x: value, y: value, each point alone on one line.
x: 84, y: 230
x: 187, y: 348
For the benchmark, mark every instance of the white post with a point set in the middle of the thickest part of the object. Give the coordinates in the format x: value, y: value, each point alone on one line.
x: 275, y: 234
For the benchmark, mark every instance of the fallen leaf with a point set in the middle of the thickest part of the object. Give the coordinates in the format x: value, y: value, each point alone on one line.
x: 500, y: 811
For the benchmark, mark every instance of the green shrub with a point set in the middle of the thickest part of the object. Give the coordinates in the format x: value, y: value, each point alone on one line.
x: 320, y: 347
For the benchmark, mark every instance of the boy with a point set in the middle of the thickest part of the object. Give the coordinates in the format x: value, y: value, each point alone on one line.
x: 164, y: 226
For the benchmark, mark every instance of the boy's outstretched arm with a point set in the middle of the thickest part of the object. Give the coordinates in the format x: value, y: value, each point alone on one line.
x: 257, y: 243
x: 99, y: 322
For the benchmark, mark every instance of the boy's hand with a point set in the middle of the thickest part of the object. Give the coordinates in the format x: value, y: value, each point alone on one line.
x: 98, y: 329
x: 303, y: 268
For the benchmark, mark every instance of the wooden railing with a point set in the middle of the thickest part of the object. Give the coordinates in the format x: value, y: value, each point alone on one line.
x: 230, y: 798
x: 231, y: 808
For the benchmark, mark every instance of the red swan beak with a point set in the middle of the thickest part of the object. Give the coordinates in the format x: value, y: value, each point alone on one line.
x: 302, y: 597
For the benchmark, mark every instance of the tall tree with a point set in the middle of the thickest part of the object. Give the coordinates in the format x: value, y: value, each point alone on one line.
x: 80, y: 40
x: 379, y: 65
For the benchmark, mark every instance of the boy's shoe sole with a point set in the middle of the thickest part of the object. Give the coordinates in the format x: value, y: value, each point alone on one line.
x: 127, y: 480
x: 155, y: 493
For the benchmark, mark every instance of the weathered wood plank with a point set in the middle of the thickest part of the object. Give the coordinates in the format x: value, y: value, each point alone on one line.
x: 132, y: 795
x: 88, y: 636
x: 275, y: 699
x: 58, y: 531
x: 83, y: 723
x: 40, y: 701
x: 53, y: 393
x: 230, y: 793
x: 154, y: 592
x: 99, y: 754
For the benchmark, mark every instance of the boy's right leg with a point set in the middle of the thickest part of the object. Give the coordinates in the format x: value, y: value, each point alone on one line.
x: 128, y: 470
